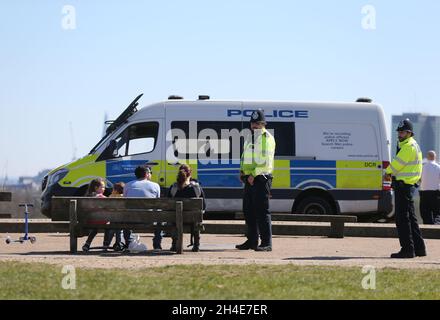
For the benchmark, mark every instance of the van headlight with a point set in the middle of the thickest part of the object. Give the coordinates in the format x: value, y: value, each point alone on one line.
x: 57, y: 176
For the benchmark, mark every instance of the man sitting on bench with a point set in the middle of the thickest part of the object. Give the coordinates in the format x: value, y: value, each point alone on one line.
x: 143, y: 187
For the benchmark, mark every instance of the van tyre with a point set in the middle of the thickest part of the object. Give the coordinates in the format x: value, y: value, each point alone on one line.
x: 314, y: 205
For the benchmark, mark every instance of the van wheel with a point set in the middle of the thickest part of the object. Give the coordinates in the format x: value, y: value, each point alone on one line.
x: 314, y: 205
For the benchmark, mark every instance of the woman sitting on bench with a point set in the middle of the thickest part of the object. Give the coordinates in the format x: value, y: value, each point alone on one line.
x: 96, y: 189
x: 186, y: 187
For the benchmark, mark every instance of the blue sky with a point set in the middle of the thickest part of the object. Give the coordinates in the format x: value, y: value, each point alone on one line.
x: 271, y: 50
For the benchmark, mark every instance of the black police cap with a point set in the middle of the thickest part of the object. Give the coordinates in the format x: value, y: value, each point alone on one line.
x: 258, y: 116
x: 405, y: 125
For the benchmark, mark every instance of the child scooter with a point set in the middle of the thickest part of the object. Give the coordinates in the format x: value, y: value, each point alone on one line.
x: 26, y: 227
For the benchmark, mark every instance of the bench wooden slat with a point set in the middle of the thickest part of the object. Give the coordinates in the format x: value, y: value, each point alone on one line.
x: 134, y: 211
x: 132, y: 203
x: 6, y: 196
x: 137, y: 228
x: 60, y: 205
x: 138, y: 216
x: 5, y: 216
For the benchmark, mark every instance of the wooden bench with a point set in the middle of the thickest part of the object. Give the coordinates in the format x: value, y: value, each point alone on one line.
x: 5, y: 197
x: 137, y: 214
x: 337, y: 222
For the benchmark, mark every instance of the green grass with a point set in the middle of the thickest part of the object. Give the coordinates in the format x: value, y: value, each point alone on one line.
x: 42, y: 281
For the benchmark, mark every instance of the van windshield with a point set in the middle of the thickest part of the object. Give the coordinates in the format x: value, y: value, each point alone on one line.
x: 99, y: 144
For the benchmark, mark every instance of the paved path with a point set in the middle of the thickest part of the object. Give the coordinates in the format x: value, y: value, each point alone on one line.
x: 220, y: 249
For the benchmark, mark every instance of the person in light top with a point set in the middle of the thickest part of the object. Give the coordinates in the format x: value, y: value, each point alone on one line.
x: 429, y: 190
x: 143, y: 187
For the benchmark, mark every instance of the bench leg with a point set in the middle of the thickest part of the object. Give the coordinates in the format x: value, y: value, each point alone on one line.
x: 72, y: 226
x: 73, y: 243
x: 179, y: 227
x: 336, y: 230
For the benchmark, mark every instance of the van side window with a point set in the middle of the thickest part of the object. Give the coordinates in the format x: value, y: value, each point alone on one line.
x: 222, y: 144
x: 284, y: 134
x: 177, y: 145
x: 214, y: 137
x: 136, y: 139
x: 142, y: 138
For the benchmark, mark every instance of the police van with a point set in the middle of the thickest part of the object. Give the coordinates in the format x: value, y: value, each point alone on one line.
x: 329, y: 157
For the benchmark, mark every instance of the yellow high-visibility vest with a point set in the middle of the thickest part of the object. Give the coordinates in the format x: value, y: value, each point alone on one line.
x: 258, y: 153
x: 407, y: 165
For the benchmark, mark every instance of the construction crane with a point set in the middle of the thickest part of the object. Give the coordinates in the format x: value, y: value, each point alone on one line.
x: 72, y: 140
x: 5, y: 179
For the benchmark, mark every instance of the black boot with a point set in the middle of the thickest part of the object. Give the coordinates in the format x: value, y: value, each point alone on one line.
x: 262, y: 247
x: 246, y: 246
x: 196, y: 244
x: 403, y: 255
x: 86, y: 247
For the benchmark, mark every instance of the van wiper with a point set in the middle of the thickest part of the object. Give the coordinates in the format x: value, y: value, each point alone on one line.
x: 115, y: 124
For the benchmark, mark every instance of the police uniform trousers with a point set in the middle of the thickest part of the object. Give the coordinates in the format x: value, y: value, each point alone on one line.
x: 430, y: 206
x: 256, y: 210
x: 410, y: 236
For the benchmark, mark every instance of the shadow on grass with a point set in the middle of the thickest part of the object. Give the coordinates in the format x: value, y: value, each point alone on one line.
x: 107, y: 254
x: 330, y: 258
x: 112, y: 254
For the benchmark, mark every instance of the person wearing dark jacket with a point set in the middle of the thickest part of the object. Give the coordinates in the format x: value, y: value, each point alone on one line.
x: 186, y: 187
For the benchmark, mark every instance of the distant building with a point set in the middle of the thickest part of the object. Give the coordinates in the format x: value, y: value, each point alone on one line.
x: 426, y: 130
x: 33, y: 183
x: 27, y: 183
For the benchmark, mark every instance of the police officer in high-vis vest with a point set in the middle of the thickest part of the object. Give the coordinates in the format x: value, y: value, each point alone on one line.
x: 406, y: 170
x: 256, y: 172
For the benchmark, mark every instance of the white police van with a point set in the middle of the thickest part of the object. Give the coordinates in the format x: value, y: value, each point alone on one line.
x: 329, y: 157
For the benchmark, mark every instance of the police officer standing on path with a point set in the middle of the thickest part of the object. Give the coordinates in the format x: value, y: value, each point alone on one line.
x: 429, y: 190
x: 256, y: 172
x: 406, y: 168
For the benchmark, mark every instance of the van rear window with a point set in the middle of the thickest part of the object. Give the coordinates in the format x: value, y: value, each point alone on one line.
x: 284, y: 134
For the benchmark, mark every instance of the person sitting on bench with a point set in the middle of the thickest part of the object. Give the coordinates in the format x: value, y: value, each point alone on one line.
x: 143, y: 187
x: 96, y: 189
x: 186, y: 187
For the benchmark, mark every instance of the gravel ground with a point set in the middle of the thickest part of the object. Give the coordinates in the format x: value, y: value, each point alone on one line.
x: 220, y: 249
